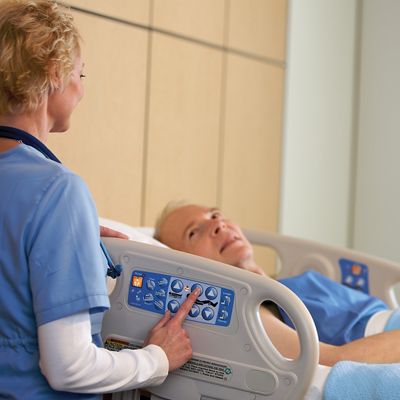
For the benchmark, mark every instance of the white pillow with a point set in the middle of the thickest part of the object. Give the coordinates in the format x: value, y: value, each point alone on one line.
x: 140, y: 234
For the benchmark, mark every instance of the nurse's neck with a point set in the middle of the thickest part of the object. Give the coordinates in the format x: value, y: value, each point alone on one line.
x: 33, y: 123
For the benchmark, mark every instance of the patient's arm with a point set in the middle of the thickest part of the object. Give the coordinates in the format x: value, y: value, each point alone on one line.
x: 378, y: 349
x: 381, y: 348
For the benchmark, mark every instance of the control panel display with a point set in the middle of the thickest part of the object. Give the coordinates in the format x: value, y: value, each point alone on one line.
x: 354, y: 275
x: 158, y: 292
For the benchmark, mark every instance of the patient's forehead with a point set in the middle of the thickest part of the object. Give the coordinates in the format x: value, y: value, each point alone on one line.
x: 175, y: 224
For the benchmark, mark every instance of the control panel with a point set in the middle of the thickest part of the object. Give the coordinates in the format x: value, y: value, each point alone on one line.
x: 157, y: 293
x: 354, y: 275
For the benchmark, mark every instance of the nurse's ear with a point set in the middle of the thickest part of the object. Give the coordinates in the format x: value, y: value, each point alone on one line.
x: 56, y: 82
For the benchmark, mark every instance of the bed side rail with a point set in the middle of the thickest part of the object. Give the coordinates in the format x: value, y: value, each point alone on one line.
x: 371, y: 274
x: 233, y: 358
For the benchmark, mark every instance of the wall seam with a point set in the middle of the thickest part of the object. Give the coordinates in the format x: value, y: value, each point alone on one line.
x: 355, y: 127
x: 146, y: 120
x: 223, y: 97
x: 282, y: 194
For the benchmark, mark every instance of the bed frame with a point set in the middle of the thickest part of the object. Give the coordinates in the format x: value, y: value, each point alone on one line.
x: 237, y: 361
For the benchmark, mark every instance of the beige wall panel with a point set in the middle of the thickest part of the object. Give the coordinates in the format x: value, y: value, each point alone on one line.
x: 130, y: 10
x: 105, y: 142
x: 258, y: 26
x: 252, y: 151
x: 198, y: 19
x: 184, y: 124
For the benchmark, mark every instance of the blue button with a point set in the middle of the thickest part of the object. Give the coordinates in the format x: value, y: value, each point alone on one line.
x: 159, y: 304
x: 223, y: 315
x: 207, y: 313
x: 177, y: 286
x: 197, y: 285
x: 148, y: 298
x: 151, y: 284
x: 211, y: 293
x: 161, y: 293
x: 163, y: 281
x: 349, y: 280
x: 360, y: 282
x: 195, y: 311
x: 173, y: 306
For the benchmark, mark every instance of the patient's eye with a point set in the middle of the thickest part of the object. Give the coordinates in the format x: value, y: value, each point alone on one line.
x: 216, y: 214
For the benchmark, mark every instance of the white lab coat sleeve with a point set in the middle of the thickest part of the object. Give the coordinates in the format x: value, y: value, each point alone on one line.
x: 71, y: 362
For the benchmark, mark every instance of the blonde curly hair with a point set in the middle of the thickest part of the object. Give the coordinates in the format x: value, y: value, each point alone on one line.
x: 38, y: 47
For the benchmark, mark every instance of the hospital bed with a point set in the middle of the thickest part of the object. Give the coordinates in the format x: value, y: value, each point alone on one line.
x: 233, y: 357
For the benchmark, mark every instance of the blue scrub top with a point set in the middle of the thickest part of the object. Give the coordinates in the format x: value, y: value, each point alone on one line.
x: 51, y: 265
x: 340, y: 313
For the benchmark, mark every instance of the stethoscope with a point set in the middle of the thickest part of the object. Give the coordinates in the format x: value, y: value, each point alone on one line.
x: 17, y: 134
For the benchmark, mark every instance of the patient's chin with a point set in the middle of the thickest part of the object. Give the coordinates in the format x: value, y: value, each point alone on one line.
x: 238, y: 256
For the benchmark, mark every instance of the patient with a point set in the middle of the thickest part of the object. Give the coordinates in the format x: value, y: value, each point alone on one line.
x: 208, y: 233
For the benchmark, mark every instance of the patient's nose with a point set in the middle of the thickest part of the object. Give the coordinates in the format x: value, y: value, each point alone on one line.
x: 218, y: 226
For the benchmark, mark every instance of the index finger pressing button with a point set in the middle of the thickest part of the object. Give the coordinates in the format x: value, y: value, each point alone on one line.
x: 187, y: 305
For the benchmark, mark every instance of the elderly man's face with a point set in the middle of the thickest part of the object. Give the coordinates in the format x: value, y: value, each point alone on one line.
x: 206, y: 232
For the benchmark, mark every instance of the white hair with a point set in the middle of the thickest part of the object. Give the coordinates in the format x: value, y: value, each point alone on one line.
x: 166, y: 211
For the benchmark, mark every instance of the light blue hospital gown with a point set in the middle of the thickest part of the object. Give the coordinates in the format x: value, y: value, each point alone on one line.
x: 340, y: 313
x: 51, y: 265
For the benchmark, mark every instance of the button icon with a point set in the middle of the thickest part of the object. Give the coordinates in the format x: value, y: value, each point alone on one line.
x: 195, y: 311
x: 161, y: 293
x: 223, y: 315
x: 211, y: 293
x: 226, y: 300
x: 360, y: 282
x: 148, y: 298
x: 177, y: 286
x: 159, y: 304
x: 349, y: 280
x: 173, y: 306
x: 163, y: 281
x: 207, y: 313
x: 151, y: 284
x: 195, y: 286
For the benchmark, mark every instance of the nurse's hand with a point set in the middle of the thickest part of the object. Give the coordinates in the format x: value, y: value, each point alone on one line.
x: 171, y: 337
x: 108, y: 232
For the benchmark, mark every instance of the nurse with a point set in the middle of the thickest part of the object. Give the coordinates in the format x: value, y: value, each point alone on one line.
x: 52, y: 270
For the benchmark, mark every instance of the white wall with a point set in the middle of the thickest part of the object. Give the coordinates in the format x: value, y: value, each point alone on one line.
x: 377, y: 211
x: 316, y: 189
